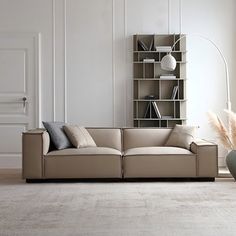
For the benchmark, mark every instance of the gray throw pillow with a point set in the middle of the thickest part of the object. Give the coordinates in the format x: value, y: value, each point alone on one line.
x: 57, y: 134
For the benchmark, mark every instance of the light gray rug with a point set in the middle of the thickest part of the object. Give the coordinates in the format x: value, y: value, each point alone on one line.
x: 135, y: 209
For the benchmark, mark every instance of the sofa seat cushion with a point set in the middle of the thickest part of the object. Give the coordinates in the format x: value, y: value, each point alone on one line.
x: 156, y: 162
x: 157, y: 151
x: 89, y: 162
x: 85, y: 151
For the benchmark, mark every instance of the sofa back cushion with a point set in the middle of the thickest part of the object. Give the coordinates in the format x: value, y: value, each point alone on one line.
x: 106, y: 137
x: 145, y: 137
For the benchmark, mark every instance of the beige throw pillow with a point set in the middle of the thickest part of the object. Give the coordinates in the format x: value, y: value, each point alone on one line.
x: 182, y: 136
x: 79, y: 136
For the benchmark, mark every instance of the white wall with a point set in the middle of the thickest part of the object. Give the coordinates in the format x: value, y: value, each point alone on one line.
x: 89, y: 81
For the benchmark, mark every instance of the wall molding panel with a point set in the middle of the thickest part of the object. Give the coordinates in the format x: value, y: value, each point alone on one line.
x: 65, y: 61
x: 113, y: 65
x: 54, y: 59
x: 126, y: 67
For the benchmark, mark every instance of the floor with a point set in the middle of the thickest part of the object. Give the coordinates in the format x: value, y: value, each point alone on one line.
x: 116, y: 208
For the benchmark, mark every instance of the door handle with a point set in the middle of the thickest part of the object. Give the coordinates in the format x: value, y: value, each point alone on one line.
x: 24, y: 101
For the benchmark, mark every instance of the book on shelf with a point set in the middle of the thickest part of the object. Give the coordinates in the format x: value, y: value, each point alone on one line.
x: 151, y: 45
x: 167, y: 117
x: 169, y: 76
x: 163, y: 48
x: 174, y: 92
x: 148, y: 60
x: 148, y: 112
x: 152, y: 111
x: 154, y: 104
x: 142, y: 45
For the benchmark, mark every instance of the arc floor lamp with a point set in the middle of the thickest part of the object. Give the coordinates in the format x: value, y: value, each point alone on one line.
x: 168, y: 63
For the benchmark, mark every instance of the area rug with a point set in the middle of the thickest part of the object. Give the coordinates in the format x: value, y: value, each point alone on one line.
x: 117, y: 208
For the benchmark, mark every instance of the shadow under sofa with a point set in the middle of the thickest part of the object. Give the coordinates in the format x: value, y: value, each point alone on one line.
x: 128, y: 153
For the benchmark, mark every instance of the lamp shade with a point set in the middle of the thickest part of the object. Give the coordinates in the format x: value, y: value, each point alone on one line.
x: 168, y: 62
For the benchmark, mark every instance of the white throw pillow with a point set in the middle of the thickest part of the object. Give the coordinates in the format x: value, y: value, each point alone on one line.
x: 182, y: 136
x: 79, y: 136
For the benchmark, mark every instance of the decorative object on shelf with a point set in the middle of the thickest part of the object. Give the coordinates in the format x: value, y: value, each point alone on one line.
x: 168, y: 106
x: 227, y: 137
x: 168, y: 62
x: 150, y: 97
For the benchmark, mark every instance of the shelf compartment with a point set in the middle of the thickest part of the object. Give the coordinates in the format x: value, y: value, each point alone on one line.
x: 139, y: 57
x: 166, y: 89
x: 138, y: 70
x: 164, y: 40
x: 148, y: 88
x: 148, y: 70
x: 145, y: 38
x: 158, y: 71
x: 168, y: 110
x: 157, y: 123
x: 157, y: 56
x: 182, y: 94
x: 144, y: 70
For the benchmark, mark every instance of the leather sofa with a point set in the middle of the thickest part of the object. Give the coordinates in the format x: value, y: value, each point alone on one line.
x: 120, y: 153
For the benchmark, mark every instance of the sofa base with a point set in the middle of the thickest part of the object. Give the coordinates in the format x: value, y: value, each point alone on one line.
x: 167, y: 179
x: 73, y: 180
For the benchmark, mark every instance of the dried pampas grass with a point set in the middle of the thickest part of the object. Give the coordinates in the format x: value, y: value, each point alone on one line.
x: 225, y: 136
x: 232, y: 126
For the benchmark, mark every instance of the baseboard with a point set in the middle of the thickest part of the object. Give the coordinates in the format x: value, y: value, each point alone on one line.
x: 10, y: 170
x: 10, y: 162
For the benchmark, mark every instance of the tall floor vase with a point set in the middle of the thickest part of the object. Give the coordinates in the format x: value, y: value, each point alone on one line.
x: 231, y: 162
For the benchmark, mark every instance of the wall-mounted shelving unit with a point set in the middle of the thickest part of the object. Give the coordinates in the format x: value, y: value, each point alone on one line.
x: 151, y: 88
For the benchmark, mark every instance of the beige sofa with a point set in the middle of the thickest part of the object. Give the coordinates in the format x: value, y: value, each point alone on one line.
x: 120, y: 153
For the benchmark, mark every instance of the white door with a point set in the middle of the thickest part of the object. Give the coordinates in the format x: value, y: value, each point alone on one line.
x: 19, y: 93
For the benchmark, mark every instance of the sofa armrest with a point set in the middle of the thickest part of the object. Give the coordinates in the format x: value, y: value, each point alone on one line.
x: 207, y: 157
x: 35, y: 144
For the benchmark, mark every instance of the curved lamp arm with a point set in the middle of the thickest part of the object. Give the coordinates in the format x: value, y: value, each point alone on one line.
x: 221, y: 54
